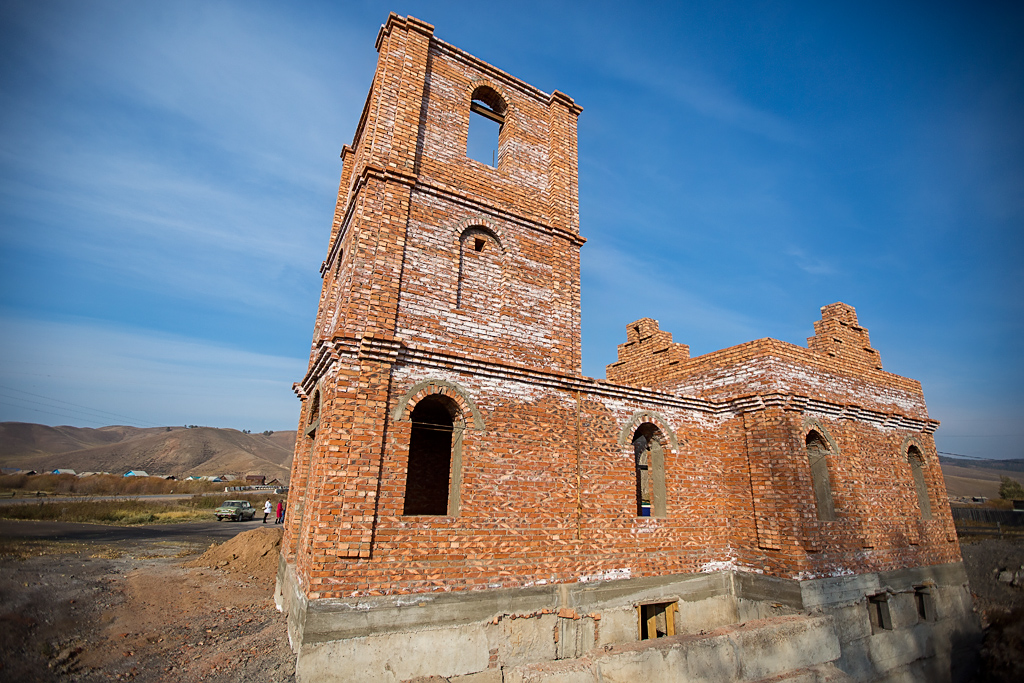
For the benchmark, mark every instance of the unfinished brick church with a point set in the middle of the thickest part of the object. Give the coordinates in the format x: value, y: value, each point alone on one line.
x: 467, y: 505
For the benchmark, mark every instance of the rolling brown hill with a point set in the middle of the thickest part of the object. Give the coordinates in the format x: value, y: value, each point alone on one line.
x: 978, y: 477
x: 157, y: 450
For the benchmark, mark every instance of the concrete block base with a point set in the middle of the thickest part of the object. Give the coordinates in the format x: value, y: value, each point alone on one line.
x: 729, y: 626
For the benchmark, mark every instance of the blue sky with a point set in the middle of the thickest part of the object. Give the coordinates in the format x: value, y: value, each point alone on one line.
x: 168, y: 173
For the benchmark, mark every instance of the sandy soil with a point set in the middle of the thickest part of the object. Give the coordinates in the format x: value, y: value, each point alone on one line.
x: 134, y: 611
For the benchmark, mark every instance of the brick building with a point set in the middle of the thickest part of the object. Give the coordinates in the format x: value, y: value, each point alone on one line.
x: 465, y: 503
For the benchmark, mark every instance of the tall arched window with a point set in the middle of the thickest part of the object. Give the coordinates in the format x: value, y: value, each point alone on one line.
x: 486, y: 118
x: 916, y: 461
x: 428, y: 477
x: 649, y: 462
x: 314, y: 414
x: 817, y: 458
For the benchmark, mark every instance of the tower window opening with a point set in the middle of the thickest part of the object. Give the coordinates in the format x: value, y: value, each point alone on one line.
x: 479, y: 243
x: 428, y: 477
x: 486, y: 118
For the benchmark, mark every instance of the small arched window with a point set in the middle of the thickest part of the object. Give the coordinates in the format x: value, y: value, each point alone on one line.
x: 480, y: 271
x: 429, y: 473
x: 916, y: 460
x: 649, y: 463
x: 817, y: 458
x: 486, y: 119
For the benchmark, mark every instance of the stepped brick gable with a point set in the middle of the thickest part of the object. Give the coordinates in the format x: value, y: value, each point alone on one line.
x: 464, y: 502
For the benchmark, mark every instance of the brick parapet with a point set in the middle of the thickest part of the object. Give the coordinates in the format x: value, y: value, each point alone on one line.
x: 765, y: 365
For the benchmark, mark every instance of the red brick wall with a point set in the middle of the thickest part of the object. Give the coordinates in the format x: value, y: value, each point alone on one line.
x: 548, y: 489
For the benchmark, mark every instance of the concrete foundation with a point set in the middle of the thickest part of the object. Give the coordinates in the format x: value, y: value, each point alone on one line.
x: 729, y: 626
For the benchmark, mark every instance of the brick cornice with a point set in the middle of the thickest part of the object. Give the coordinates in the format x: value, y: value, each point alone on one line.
x: 412, y: 23
x: 492, y: 71
x: 409, y: 23
x: 376, y: 172
x: 566, y: 101
x: 508, y: 216
x: 392, y: 351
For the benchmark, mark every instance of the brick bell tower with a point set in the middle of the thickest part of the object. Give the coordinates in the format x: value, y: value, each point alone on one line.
x: 433, y: 257
x: 465, y: 504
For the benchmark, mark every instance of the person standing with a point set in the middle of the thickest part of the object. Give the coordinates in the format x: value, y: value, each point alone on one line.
x: 280, y: 513
x: 266, y: 511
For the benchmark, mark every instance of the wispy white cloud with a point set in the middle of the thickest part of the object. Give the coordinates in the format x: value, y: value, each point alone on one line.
x: 190, y: 150
x: 672, y: 85
x: 809, y: 263
x: 621, y: 287
x: 148, y: 377
x: 167, y: 231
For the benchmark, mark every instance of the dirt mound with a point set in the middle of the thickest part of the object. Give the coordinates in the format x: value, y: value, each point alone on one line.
x: 253, y: 553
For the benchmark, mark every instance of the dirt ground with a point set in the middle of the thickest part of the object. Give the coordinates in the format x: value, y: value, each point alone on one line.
x: 1000, y: 603
x: 173, y: 609
x: 142, y: 611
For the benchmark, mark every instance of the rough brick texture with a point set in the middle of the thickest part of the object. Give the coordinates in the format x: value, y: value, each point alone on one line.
x: 448, y: 277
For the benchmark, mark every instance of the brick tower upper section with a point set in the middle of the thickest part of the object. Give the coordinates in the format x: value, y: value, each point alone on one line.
x: 442, y: 253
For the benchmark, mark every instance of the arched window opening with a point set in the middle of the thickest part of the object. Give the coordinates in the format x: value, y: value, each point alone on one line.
x: 817, y: 458
x: 480, y: 271
x: 917, y: 469
x: 428, y: 477
x: 649, y: 463
x: 486, y: 118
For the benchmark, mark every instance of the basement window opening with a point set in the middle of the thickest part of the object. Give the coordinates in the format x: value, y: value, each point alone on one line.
x: 925, y: 603
x: 878, y: 611
x: 657, y: 620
